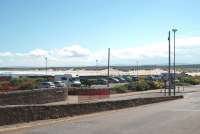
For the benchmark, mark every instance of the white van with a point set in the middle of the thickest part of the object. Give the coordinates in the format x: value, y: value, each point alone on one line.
x: 68, y: 80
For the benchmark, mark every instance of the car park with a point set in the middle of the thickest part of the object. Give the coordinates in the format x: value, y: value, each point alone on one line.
x: 101, y: 81
x: 59, y: 84
x: 153, y: 78
x: 75, y: 82
x: 47, y: 85
x: 135, y: 78
x: 121, y: 79
x: 156, y: 77
x: 86, y: 82
x: 127, y: 78
x: 69, y: 80
x: 148, y: 78
x: 113, y: 80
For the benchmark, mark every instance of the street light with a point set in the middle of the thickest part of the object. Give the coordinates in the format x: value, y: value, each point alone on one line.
x: 137, y: 68
x: 174, y: 30
x: 46, y: 65
x: 169, y: 67
x: 108, y: 82
x: 96, y: 69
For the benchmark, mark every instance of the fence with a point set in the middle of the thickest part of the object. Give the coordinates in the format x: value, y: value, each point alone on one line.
x: 89, y: 95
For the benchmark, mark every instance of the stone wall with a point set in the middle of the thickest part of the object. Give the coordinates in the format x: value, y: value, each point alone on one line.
x: 19, y: 114
x: 37, y: 96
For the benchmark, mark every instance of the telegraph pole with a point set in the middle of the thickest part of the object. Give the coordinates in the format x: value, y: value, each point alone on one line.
x: 174, y: 30
x: 108, y: 82
x: 169, y: 67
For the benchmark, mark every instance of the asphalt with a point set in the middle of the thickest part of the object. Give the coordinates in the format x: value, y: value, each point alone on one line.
x: 130, y: 95
x: 172, y: 117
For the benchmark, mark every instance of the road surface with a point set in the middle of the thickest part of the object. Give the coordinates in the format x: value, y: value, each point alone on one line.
x: 172, y: 117
x: 131, y: 95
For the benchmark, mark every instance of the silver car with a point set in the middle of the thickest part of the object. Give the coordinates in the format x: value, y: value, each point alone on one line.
x: 47, y: 85
x: 59, y: 84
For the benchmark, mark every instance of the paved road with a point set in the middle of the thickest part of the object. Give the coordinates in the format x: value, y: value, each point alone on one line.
x: 173, y: 117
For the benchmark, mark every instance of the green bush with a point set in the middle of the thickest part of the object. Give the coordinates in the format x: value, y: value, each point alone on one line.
x: 120, y: 89
x: 141, y: 85
x: 190, y: 80
x: 158, y: 85
x: 26, y: 83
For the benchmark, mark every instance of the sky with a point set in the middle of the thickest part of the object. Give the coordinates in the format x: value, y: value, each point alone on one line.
x: 79, y: 32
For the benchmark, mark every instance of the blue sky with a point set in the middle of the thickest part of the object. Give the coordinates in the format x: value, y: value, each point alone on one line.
x: 76, y: 32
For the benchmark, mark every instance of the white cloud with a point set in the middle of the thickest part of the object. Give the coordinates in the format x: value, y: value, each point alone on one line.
x: 188, y: 42
x: 67, y: 56
x: 38, y: 53
x: 147, y: 51
x: 187, y: 52
x: 73, y: 51
x: 6, y: 54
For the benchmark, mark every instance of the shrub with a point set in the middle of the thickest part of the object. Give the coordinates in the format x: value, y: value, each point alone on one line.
x: 24, y: 83
x: 157, y: 85
x: 120, y: 89
x: 143, y: 85
x: 190, y: 80
x: 20, y: 84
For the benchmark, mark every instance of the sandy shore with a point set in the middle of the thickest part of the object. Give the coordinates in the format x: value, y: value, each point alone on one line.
x: 113, y: 72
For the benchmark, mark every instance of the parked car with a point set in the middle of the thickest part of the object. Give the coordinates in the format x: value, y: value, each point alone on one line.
x: 86, y: 82
x: 113, y: 80
x: 153, y: 78
x: 156, y: 77
x: 101, y: 81
x: 165, y: 76
x: 121, y: 79
x: 148, y: 78
x: 128, y: 78
x: 75, y: 82
x: 59, y: 84
x: 135, y: 78
x: 47, y: 85
x: 69, y: 80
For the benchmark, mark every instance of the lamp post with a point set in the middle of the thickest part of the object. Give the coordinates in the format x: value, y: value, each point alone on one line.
x: 137, y: 68
x: 169, y: 67
x: 174, y: 30
x: 96, y: 69
x: 46, y: 65
x: 108, y: 82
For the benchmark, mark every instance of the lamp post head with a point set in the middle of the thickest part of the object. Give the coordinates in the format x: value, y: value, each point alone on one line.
x: 174, y: 30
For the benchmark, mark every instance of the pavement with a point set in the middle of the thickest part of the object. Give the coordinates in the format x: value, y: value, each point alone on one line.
x: 73, y: 99
x: 172, y: 117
